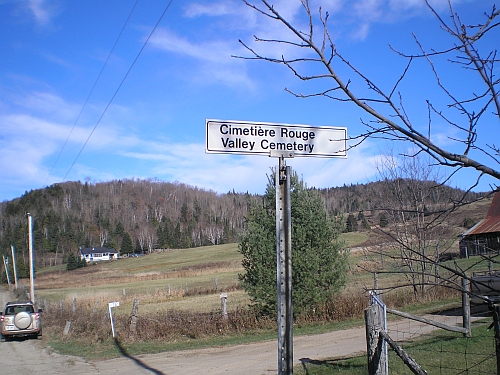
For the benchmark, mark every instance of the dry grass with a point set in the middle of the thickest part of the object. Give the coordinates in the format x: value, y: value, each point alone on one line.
x: 182, y: 301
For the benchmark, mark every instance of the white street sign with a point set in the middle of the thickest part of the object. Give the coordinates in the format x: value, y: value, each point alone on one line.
x: 114, y: 304
x: 238, y: 137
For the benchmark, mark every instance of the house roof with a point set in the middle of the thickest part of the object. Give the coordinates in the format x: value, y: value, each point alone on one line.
x: 97, y: 250
x: 491, y: 223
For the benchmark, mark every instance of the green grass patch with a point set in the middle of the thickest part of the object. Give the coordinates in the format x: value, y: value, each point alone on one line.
x: 352, y: 239
x: 177, y: 259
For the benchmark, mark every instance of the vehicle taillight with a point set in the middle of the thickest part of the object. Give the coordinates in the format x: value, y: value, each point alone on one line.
x: 2, y: 318
x: 37, y: 316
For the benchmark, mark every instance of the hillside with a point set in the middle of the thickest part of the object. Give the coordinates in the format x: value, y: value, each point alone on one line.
x: 160, y: 215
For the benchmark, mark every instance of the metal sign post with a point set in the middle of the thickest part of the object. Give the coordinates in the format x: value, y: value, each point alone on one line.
x: 284, y: 268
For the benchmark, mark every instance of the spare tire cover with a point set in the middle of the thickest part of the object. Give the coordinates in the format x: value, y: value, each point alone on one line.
x: 22, y: 320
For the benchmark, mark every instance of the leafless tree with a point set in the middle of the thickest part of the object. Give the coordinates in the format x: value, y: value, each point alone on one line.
x: 418, y: 232
x: 467, y: 112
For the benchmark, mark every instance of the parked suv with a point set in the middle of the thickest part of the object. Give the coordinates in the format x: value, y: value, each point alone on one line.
x: 20, y: 319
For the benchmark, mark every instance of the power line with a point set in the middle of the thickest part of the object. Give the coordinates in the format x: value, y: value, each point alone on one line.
x: 91, y: 91
x: 118, y: 89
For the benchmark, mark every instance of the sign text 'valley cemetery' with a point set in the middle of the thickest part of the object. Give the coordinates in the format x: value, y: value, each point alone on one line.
x: 239, y: 137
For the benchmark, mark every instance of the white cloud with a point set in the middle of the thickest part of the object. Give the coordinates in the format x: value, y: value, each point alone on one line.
x: 48, y: 104
x: 166, y: 40
x: 41, y: 10
x: 189, y: 163
x: 213, y: 61
x: 212, y: 9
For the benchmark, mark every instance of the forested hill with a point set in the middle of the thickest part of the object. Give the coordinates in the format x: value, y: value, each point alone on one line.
x: 154, y: 214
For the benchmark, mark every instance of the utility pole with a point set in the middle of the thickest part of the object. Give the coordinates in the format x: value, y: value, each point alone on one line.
x: 14, y: 266
x: 32, y: 257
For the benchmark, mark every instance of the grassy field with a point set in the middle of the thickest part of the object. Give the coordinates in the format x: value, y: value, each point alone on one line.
x: 190, y: 279
x: 441, y: 352
x: 187, y: 281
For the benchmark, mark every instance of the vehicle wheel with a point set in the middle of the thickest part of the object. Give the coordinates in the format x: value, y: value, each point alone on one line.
x: 22, y: 320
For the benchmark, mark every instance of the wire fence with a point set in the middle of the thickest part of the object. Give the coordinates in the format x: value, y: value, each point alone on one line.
x: 441, y: 352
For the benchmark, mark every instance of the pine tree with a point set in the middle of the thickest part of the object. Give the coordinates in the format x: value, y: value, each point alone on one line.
x: 318, y: 262
x: 119, y: 230
x: 72, y: 262
x: 352, y: 224
x: 127, y: 245
x: 22, y: 268
x: 383, y: 220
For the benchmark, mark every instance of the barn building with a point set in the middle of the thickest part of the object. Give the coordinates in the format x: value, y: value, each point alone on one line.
x: 484, y: 237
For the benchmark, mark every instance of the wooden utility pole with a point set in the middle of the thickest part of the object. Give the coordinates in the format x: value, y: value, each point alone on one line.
x: 14, y: 266
x: 32, y: 257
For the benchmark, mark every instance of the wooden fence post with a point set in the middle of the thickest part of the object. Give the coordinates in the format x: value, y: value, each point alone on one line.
x: 466, y: 307
x: 496, y: 326
x: 377, y: 359
x: 408, y: 361
x: 133, y: 317
x: 67, y: 327
x: 223, y: 299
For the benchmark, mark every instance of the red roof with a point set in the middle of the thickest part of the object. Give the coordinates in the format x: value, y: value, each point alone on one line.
x: 491, y: 223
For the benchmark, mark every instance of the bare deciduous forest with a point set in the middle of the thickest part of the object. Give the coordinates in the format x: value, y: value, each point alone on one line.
x: 162, y: 215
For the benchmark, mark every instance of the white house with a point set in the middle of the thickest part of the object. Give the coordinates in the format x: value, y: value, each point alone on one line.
x: 96, y: 254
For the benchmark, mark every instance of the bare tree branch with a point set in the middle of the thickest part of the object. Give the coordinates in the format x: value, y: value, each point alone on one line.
x: 393, y: 122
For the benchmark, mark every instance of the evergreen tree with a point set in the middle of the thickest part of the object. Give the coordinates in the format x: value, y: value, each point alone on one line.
x: 318, y: 261
x: 81, y: 262
x: 352, y: 224
x: 127, y: 245
x: 365, y: 223
x: 119, y: 230
x: 22, y: 268
x: 72, y: 263
x: 383, y: 220
x: 138, y: 248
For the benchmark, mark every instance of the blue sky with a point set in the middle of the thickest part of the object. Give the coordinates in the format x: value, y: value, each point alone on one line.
x: 52, y: 52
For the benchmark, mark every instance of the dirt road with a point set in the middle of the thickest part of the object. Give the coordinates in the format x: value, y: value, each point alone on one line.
x: 29, y: 356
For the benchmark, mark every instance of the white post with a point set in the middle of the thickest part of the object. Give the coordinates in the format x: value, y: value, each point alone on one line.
x: 32, y: 257
x: 6, y: 264
x: 14, y: 266
x: 111, y: 305
x: 223, y: 301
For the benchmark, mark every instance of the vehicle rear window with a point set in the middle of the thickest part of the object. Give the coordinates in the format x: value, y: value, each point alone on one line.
x: 12, y: 310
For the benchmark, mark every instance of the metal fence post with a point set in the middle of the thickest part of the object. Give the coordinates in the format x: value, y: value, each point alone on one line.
x: 284, y: 269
